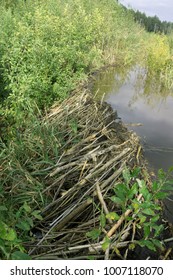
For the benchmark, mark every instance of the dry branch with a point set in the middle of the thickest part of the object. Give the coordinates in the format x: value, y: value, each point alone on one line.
x: 95, y: 149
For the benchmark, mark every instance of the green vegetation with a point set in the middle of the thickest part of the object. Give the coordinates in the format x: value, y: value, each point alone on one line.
x: 48, y: 47
x: 146, y: 212
x: 47, y: 50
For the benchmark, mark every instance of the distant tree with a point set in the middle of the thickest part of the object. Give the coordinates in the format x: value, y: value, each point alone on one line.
x: 152, y: 24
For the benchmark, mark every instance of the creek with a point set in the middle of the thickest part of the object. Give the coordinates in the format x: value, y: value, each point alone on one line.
x: 147, y: 109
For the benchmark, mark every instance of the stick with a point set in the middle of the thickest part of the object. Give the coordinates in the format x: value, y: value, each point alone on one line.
x: 121, y: 220
x: 64, y: 222
x: 100, y: 197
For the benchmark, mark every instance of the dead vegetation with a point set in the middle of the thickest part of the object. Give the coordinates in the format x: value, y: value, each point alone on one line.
x: 91, y: 160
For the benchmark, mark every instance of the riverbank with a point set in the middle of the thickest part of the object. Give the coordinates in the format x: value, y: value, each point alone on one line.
x: 106, y: 203
x: 88, y: 194
x: 67, y: 179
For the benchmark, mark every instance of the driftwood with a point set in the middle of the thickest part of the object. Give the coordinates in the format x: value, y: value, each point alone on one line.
x: 96, y: 148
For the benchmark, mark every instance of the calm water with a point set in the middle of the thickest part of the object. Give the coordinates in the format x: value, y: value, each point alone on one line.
x: 138, y: 100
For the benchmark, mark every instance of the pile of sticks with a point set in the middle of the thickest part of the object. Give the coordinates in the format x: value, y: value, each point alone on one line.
x: 94, y: 148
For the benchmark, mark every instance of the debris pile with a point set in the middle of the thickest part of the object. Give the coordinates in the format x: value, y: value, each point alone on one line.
x: 95, y: 151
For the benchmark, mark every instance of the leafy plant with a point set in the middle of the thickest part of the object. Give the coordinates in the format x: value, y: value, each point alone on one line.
x: 10, y: 245
x: 145, y: 212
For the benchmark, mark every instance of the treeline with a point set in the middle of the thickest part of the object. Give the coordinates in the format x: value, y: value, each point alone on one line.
x: 152, y: 24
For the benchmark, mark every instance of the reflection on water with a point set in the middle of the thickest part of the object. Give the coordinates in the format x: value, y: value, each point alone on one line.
x: 138, y: 99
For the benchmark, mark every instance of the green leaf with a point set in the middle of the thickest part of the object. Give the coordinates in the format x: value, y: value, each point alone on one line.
x: 148, y: 211
x: 149, y: 244
x: 160, y: 195
x: 133, y: 191
x: 155, y: 219
x: 2, y: 229
x: 24, y: 225
x: 17, y: 255
x: 102, y: 220
x: 155, y: 186
x: 161, y: 174
x: 170, y: 170
x: 117, y: 251
x: 10, y: 235
x: 106, y: 243
x: 158, y: 229
x: 147, y: 204
x: 7, y: 233
x: 126, y: 175
x: 135, y: 172
x: 141, y: 183
x: 136, y: 205
x: 157, y: 243
x: 142, y: 218
x: 121, y: 191
x: 146, y: 230
x: 117, y: 200
x: 30, y: 221
x: 36, y: 214
x: 113, y: 216
x: 167, y: 186
x: 26, y: 207
x: 19, y: 212
x: 93, y: 234
x: 74, y: 126
x: 144, y: 191
x: 91, y: 258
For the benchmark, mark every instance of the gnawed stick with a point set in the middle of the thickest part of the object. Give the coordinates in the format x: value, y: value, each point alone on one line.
x: 100, y: 197
x: 88, y: 156
x: 59, y: 225
x: 121, y: 220
x: 98, y: 246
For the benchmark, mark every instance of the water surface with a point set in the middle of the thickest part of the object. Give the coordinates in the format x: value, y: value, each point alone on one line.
x: 138, y: 99
x: 138, y: 102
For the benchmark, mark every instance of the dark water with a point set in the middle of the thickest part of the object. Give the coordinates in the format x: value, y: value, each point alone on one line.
x: 140, y: 100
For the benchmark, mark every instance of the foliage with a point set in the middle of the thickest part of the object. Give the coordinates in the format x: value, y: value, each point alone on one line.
x: 152, y: 23
x: 48, y: 47
x: 157, y: 59
x: 145, y: 213
x: 158, y: 53
x: 21, y: 200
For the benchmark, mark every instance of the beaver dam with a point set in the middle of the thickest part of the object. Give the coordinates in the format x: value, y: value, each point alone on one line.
x: 94, y: 192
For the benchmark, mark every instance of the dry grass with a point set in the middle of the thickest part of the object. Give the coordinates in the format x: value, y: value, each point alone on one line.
x: 96, y: 150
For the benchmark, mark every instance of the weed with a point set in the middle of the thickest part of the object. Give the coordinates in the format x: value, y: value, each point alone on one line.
x: 144, y: 214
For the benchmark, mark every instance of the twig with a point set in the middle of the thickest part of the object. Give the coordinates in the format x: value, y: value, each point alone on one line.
x: 107, y: 253
x: 121, y: 220
x: 88, y: 156
x: 100, y: 197
x: 64, y: 222
x: 167, y: 253
x: 168, y: 240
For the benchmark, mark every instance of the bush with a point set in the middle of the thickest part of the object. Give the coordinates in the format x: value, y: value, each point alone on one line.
x: 48, y: 47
